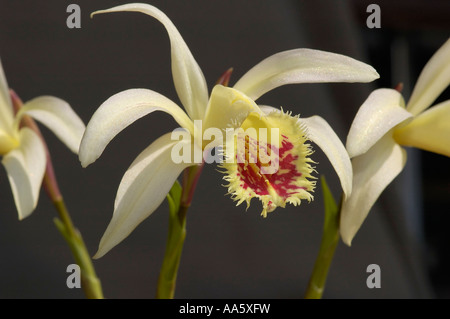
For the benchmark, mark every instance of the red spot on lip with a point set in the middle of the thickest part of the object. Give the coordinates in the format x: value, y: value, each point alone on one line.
x: 282, y: 181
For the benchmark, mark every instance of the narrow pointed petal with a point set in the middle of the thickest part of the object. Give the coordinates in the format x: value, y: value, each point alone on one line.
x: 227, y: 106
x: 372, y: 173
x: 303, y: 66
x: 187, y: 76
x: 224, y: 79
x: 119, y: 111
x: 142, y: 189
x: 382, y: 110
x: 58, y: 116
x: 429, y: 130
x: 6, y: 112
x: 25, y: 166
x: 433, y: 80
x: 321, y: 133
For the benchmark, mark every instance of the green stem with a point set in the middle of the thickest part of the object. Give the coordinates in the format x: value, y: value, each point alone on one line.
x: 176, y: 234
x: 169, y: 269
x: 89, y: 281
x: 318, y: 278
x: 330, y: 239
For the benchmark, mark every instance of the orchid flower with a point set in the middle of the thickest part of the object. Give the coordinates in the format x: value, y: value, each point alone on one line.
x: 24, y: 155
x: 383, y: 125
x: 150, y: 177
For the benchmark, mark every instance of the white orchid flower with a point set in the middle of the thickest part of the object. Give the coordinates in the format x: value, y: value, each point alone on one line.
x: 24, y: 155
x: 150, y: 177
x: 383, y: 125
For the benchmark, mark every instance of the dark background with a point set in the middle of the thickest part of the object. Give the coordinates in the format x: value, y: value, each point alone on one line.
x: 229, y: 252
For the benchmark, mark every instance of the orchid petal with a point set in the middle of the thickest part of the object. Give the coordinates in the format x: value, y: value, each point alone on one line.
x: 429, y: 130
x: 142, y: 189
x: 6, y: 112
x: 382, y: 110
x: 303, y: 66
x: 188, y: 77
x: 372, y: 173
x: 266, y: 109
x: 58, y: 116
x: 321, y: 133
x: 432, y: 81
x: 119, y: 111
x: 25, y: 166
x: 227, y: 105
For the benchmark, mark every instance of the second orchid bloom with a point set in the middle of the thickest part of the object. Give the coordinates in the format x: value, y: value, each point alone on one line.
x: 383, y: 125
x: 150, y: 177
x: 22, y: 150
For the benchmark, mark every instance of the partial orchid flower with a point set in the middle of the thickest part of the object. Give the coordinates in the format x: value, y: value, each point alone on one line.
x: 383, y: 125
x: 23, y: 152
x: 150, y: 177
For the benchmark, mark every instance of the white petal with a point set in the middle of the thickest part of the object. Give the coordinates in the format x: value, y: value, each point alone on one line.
x: 142, y: 189
x: 382, y: 110
x: 58, y: 116
x: 188, y: 77
x: 6, y: 112
x: 303, y: 66
x: 266, y: 109
x: 433, y: 79
x: 119, y: 111
x: 372, y: 173
x: 321, y: 133
x: 25, y: 166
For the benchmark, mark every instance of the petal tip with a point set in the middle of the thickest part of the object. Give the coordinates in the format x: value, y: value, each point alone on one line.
x: 84, y: 161
x: 96, y: 12
x: 98, y: 255
x: 348, y: 242
x: 84, y: 164
x: 25, y: 212
x: 375, y: 74
x: 346, y: 237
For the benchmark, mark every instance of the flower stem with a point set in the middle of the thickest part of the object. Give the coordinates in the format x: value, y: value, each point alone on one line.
x: 330, y: 239
x: 89, y: 281
x: 179, y: 201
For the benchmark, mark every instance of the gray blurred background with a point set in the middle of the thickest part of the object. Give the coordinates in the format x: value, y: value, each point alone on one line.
x: 229, y: 252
